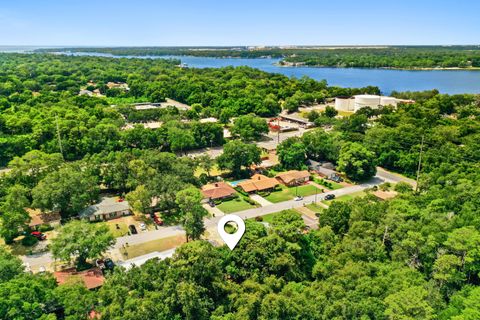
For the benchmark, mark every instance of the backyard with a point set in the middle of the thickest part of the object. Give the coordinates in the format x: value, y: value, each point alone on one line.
x: 288, y: 193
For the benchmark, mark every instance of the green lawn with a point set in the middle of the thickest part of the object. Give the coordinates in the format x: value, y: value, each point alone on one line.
x: 315, y: 207
x: 234, y: 205
x: 269, y: 217
x: 346, y: 197
x: 332, y: 185
x: 288, y: 193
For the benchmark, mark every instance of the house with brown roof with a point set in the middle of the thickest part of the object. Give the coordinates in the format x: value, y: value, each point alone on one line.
x: 293, y: 177
x: 258, y: 182
x: 91, y: 278
x: 217, y: 190
x: 38, y: 218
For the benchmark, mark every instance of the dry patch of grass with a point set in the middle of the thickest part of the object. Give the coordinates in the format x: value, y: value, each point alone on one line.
x: 151, y: 246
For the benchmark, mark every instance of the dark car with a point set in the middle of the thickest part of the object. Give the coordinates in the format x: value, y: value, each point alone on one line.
x: 109, y: 265
x: 38, y: 235
x: 132, y: 229
x: 329, y: 197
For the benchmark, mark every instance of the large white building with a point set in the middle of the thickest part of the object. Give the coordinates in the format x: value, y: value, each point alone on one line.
x: 363, y: 100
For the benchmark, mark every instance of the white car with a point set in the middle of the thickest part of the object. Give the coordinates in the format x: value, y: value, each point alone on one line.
x: 143, y: 226
x: 298, y: 198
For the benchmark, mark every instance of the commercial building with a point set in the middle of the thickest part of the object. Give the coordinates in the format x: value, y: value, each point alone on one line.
x: 355, y: 103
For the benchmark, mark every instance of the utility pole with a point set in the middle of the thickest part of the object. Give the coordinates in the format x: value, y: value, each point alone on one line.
x: 58, y: 136
x: 419, y: 163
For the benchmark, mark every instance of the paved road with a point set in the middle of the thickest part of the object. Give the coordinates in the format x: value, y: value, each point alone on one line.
x: 394, y: 177
x: 163, y: 232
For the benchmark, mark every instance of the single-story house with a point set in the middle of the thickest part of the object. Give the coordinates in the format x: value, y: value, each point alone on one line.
x: 258, y: 182
x: 325, y: 169
x: 38, y: 218
x: 293, y: 177
x: 108, y: 208
x: 217, y: 190
x: 92, y: 278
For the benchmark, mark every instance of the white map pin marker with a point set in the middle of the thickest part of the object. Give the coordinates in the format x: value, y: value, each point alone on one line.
x: 231, y: 239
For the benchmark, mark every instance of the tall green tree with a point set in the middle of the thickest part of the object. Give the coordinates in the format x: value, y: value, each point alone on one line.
x: 68, y: 190
x: 357, y: 162
x: 13, y: 216
x: 249, y: 127
x: 291, y: 153
x: 189, y: 202
x: 237, y: 156
x: 81, y: 240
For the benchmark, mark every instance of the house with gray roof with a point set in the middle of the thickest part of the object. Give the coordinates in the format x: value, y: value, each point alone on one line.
x: 108, y: 208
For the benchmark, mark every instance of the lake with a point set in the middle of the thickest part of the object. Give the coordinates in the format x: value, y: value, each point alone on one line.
x: 446, y: 81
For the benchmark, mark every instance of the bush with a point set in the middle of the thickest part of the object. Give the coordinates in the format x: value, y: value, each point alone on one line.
x: 403, y: 187
x: 259, y: 218
x: 29, y: 241
x: 385, y: 186
x: 45, y: 228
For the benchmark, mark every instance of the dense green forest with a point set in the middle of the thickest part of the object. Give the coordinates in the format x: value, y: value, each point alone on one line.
x: 40, y: 92
x: 401, y: 57
x: 416, y: 256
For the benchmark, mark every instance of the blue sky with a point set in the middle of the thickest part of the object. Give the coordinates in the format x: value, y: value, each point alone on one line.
x: 245, y: 22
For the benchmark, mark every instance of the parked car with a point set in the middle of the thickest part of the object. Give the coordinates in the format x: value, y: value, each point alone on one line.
x: 132, y: 229
x: 38, y: 235
x: 211, y: 203
x: 329, y: 197
x: 298, y: 198
x: 105, y: 264
x: 143, y: 226
x: 156, y: 218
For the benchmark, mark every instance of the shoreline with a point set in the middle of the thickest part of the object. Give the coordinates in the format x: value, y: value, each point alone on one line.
x: 381, y: 68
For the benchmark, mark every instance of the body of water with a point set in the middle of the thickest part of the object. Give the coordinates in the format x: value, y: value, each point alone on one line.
x: 446, y: 81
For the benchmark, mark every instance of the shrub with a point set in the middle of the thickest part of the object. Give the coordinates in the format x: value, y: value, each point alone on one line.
x: 259, y: 218
x: 403, y: 187
x: 29, y: 241
x: 45, y: 228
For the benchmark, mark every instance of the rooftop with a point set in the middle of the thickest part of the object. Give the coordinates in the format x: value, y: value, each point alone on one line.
x: 293, y: 175
x: 217, y: 190
x: 258, y: 182
x: 105, y: 206
x: 92, y: 278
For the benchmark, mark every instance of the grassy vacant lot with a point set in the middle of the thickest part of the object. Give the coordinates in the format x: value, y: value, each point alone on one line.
x: 315, y: 207
x: 234, y: 205
x: 346, y: 197
x: 288, y: 193
x: 269, y: 217
x: 214, y: 172
x: 151, y: 246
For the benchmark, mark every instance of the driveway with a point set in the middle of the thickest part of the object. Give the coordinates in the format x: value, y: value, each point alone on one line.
x: 261, y: 200
x: 46, y: 259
